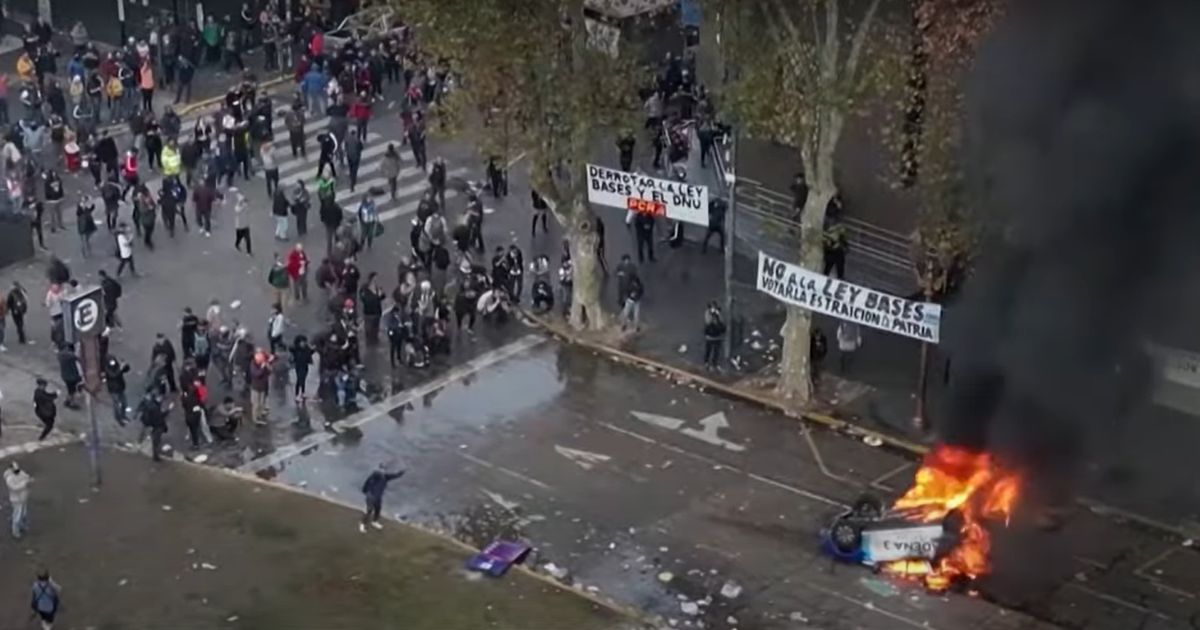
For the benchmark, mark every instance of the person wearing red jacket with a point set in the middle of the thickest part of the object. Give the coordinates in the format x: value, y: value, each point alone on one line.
x: 129, y: 172
x: 297, y: 270
x: 316, y: 45
x: 360, y: 112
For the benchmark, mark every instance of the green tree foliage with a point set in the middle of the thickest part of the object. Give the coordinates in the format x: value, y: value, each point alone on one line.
x: 531, y: 85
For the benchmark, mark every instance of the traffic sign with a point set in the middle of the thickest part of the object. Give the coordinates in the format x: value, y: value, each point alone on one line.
x: 84, y: 314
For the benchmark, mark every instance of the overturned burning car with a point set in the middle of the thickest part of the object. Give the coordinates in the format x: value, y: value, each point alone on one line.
x: 936, y: 532
x: 871, y: 534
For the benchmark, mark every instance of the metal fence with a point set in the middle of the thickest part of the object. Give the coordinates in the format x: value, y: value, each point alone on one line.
x: 766, y: 221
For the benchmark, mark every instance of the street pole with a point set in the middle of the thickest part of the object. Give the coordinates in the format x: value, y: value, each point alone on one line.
x: 919, y: 420
x: 82, y: 323
x: 730, y: 226
x: 121, y: 18
x: 93, y: 439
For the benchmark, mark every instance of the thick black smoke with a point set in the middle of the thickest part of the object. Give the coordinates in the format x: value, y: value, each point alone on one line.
x: 1083, y: 153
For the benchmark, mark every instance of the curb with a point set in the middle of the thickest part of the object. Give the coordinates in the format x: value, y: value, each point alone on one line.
x: 732, y: 391
x: 613, y: 606
x: 842, y: 426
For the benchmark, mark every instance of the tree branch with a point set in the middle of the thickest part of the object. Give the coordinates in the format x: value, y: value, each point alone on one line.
x: 859, y: 42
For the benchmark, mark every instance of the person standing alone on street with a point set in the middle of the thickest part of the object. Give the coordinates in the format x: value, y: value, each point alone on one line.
x: 714, y: 334
x: 373, y: 488
x: 18, y: 481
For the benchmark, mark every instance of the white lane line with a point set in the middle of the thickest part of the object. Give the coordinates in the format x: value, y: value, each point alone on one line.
x: 35, y: 446
x: 345, y: 195
x: 511, y: 473
x: 382, y: 408
x: 314, y: 155
x: 722, y: 465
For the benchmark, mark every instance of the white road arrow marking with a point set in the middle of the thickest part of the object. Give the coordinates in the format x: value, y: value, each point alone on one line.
x: 712, y: 426
x: 585, y: 459
x: 665, y: 422
x: 710, y: 433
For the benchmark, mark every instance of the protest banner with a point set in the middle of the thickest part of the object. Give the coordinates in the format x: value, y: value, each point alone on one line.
x: 648, y: 195
x: 819, y: 293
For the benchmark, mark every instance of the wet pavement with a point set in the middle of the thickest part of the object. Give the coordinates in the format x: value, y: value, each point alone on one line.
x: 618, y: 478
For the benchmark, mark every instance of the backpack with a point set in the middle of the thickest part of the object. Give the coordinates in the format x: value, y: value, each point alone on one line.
x: 200, y: 345
x: 115, y: 88
x: 45, y: 598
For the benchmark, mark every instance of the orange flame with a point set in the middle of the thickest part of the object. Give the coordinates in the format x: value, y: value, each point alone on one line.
x: 973, y: 487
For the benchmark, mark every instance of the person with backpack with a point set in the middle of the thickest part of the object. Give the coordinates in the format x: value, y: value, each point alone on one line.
x: 114, y: 89
x: 330, y: 212
x: 154, y: 419
x: 46, y: 599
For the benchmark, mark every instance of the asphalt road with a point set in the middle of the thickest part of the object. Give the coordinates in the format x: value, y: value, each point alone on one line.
x: 577, y: 454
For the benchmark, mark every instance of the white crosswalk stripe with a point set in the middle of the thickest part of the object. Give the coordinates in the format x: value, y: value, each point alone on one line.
x: 412, y: 182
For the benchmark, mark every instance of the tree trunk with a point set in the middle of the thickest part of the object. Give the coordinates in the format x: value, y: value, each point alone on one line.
x: 795, y: 374
x: 795, y: 382
x: 586, y: 310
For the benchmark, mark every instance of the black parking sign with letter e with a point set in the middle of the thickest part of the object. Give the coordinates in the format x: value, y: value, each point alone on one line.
x: 85, y: 314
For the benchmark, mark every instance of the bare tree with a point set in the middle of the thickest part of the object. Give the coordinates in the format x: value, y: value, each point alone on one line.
x: 537, y: 88
x: 800, y: 87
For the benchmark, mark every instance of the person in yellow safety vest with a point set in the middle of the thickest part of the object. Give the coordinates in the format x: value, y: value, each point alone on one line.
x: 170, y: 159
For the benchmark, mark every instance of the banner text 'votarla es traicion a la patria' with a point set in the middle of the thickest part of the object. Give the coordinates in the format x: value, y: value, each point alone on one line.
x: 796, y: 285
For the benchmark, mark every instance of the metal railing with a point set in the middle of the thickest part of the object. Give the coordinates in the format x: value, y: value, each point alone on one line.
x: 767, y: 221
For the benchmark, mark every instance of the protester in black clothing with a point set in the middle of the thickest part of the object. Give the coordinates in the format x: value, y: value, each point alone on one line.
x: 540, y: 210
x: 154, y: 420
x: 329, y: 146
x: 371, y: 299
x: 643, y: 228
x: 110, y: 292
x: 163, y: 348
x: 302, y: 359
x: 114, y: 379
x: 45, y: 407
x: 716, y: 223
x: 189, y: 324
x: 18, y: 305
x: 625, y: 146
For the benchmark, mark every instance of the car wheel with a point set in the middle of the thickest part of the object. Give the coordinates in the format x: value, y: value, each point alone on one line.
x: 868, y: 506
x: 846, y: 536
